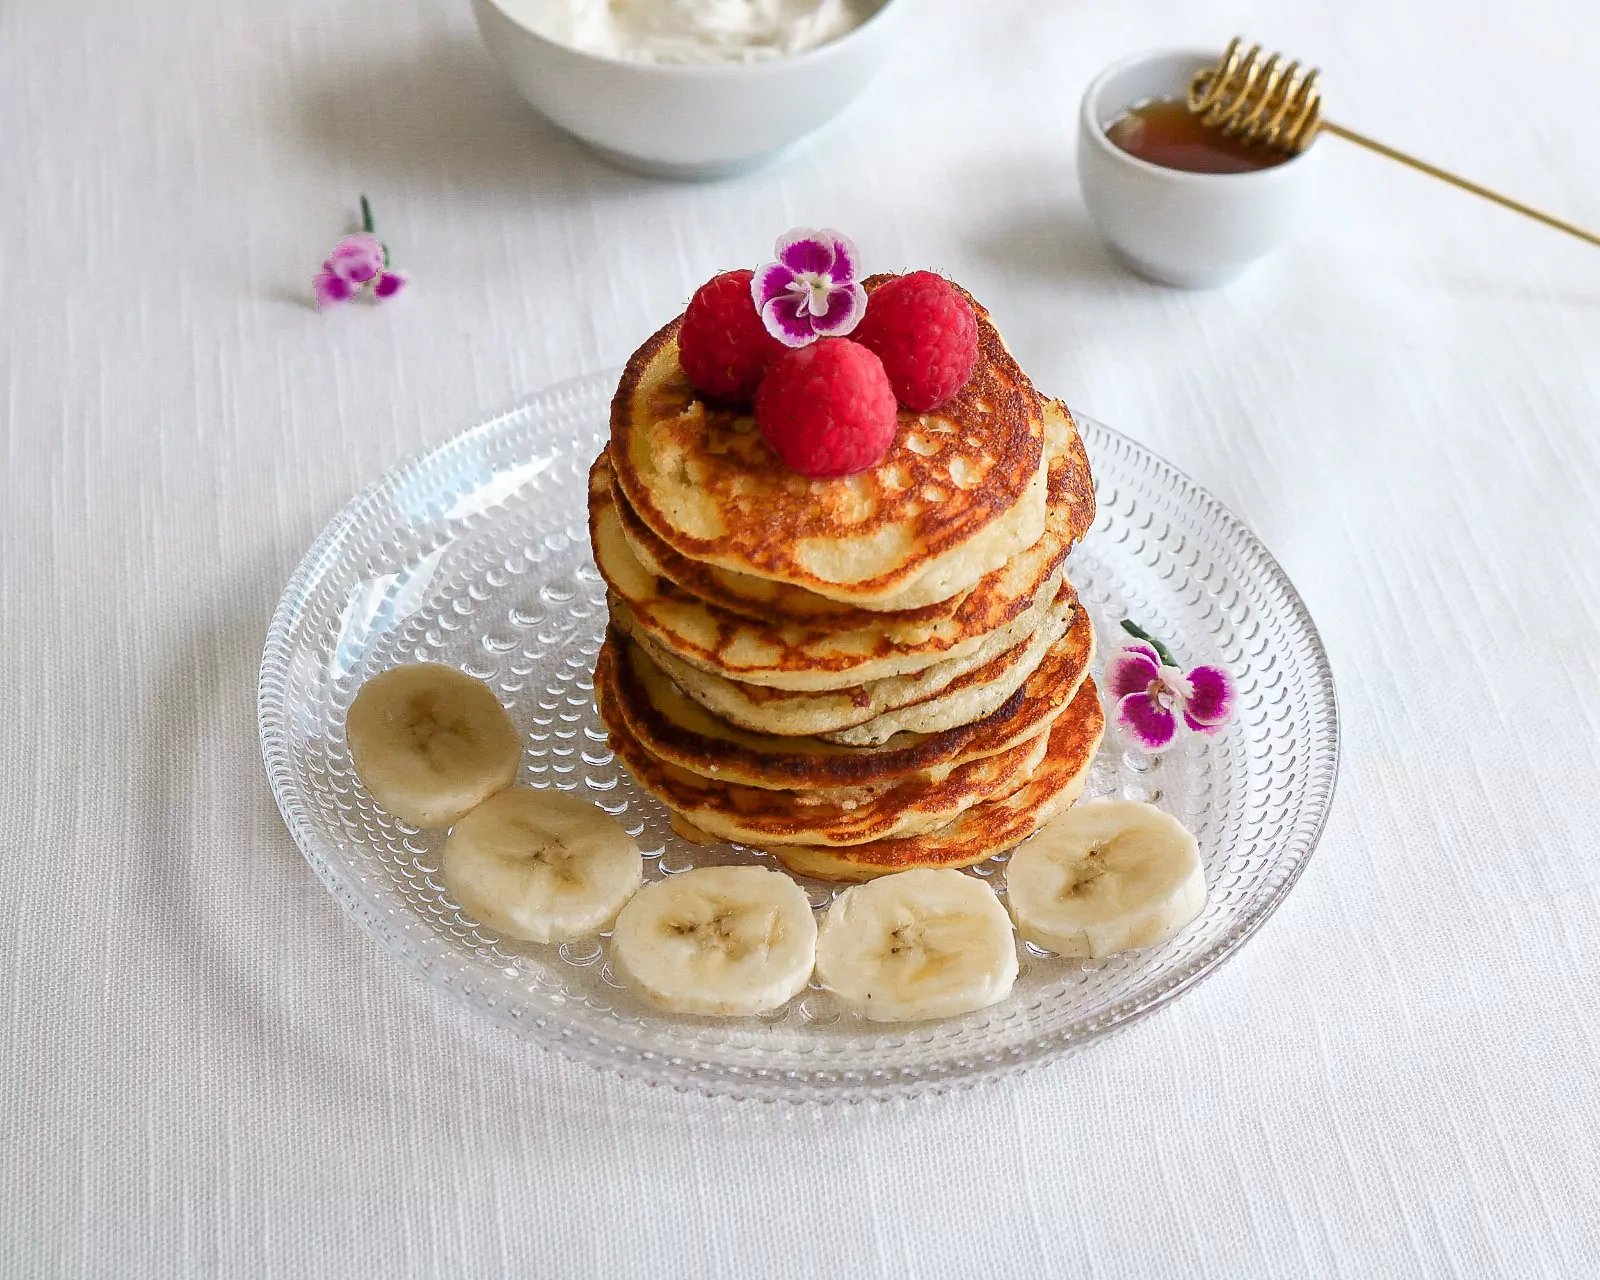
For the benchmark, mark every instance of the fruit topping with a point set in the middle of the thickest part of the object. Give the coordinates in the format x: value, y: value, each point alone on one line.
x: 430, y: 742
x: 925, y: 333
x: 717, y: 941
x: 722, y: 344
x: 827, y: 409
x: 1110, y: 876
x: 928, y: 943
x: 541, y: 865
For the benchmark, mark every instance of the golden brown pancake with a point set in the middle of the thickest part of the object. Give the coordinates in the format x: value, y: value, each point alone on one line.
x: 785, y: 654
x: 861, y: 674
x: 1072, y: 483
x: 674, y: 728
x: 951, y: 692
x: 958, y: 493
x: 1070, y: 513
x: 831, y: 816
x: 984, y: 829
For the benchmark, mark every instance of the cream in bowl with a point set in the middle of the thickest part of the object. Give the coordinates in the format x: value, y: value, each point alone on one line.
x: 1172, y: 203
x: 689, y: 88
x: 697, y: 31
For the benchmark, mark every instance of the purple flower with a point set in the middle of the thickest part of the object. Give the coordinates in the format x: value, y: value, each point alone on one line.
x: 357, y: 261
x: 1152, y: 692
x: 331, y: 288
x: 357, y: 257
x: 810, y: 292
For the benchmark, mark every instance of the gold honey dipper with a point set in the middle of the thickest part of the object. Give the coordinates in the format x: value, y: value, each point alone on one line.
x: 1278, y: 105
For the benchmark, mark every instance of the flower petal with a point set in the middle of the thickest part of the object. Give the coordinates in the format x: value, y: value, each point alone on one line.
x: 1148, y: 723
x: 806, y: 249
x: 331, y: 288
x: 358, y: 243
x: 844, y: 311
x: 769, y: 282
x: 1210, y: 730
x: 1149, y: 650
x: 390, y: 283
x: 357, y: 257
x: 846, y: 261
x: 788, y: 326
x: 1131, y: 671
x: 1211, y: 696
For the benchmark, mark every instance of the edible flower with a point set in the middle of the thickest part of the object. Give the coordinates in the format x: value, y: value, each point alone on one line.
x: 810, y: 292
x: 357, y: 261
x: 1152, y: 692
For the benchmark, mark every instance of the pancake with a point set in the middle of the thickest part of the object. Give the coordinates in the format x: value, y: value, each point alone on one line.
x: 829, y: 816
x: 1071, y: 482
x: 1009, y: 654
x: 982, y: 830
x: 792, y: 714
x: 1070, y: 513
x: 983, y: 691
x: 782, y: 653
x: 960, y: 491
x: 676, y: 729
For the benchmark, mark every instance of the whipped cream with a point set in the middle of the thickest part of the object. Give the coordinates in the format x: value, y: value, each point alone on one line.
x: 694, y: 31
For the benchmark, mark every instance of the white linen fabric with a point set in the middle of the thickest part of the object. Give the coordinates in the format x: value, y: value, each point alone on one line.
x: 206, y: 1069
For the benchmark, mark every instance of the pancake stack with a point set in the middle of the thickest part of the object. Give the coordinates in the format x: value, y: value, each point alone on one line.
x: 860, y: 675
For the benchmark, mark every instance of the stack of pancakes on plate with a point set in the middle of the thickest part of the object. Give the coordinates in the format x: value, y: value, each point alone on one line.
x: 860, y: 675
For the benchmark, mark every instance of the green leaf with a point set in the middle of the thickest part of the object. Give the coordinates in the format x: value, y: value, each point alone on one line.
x: 1139, y: 633
x: 366, y: 215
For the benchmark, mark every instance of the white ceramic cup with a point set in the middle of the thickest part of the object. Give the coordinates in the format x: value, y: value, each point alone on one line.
x: 1194, y: 230
x: 679, y: 121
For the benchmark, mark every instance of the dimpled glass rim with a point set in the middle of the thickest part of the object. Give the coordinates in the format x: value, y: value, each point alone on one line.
x: 1208, y: 540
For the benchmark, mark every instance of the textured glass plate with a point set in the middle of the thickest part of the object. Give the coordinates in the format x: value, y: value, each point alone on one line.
x: 477, y: 555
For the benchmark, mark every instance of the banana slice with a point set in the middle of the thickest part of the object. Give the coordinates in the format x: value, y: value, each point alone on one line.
x: 917, y: 944
x: 430, y: 742
x: 541, y: 866
x: 1106, y: 877
x: 717, y: 940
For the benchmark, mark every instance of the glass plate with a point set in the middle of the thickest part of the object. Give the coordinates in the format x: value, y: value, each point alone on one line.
x: 476, y: 554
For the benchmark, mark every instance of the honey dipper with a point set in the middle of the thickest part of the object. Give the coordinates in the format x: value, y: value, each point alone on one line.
x: 1278, y: 105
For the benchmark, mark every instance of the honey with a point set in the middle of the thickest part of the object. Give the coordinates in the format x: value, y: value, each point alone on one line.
x: 1167, y: 134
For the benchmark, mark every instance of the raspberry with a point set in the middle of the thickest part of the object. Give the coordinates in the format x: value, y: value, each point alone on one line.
x: 926, y: 335
x: 722, y: 344
x: 827, y: 409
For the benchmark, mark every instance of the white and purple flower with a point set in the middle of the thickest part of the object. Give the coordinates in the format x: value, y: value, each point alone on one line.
x: 811, y: 291
x: 357, y: 261
x: 1152, y: 692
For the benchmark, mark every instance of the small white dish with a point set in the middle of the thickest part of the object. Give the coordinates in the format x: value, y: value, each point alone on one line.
x: 1193, y: 230
x: 682, y: 121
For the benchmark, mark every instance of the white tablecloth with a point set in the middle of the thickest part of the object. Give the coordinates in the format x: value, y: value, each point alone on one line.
x: 206, y: 1069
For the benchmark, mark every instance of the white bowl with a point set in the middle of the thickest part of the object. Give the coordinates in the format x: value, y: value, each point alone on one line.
x: 680, y: 121
x: 1194, y: 230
